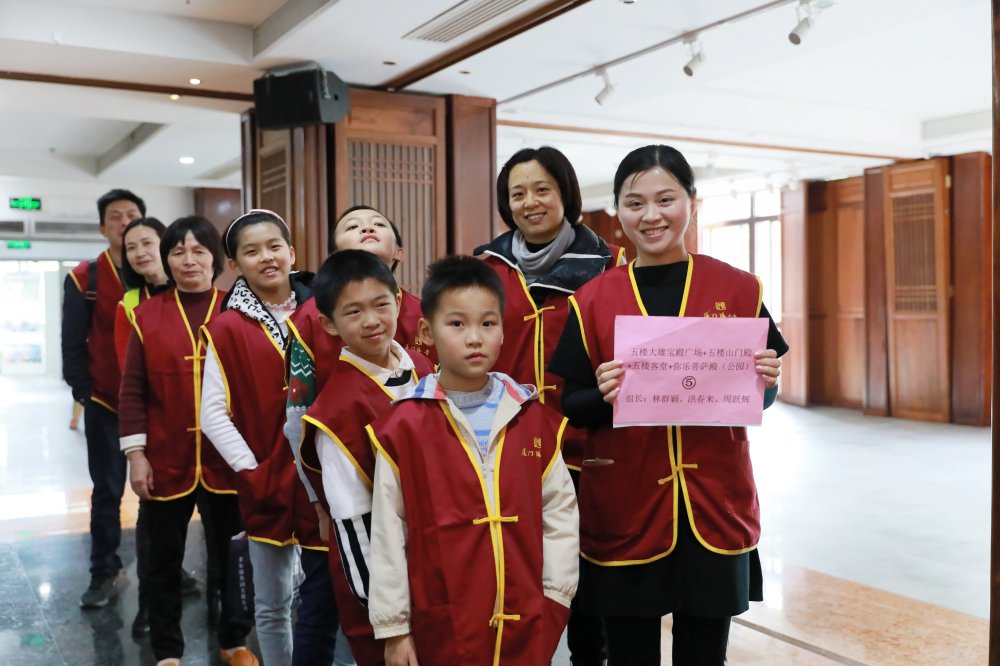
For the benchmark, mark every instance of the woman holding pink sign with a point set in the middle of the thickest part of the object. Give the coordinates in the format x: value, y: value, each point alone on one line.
x: 669, y: 517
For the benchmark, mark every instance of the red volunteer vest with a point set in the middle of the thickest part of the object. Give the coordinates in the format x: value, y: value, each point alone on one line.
x: 104, y: 371
x: 273, y: 502
x: 319, y: 344
x: 181, y: 457
x: 343, y: 413
x: 475, y: 575
x: 530, y: 336
x: 628, y: 510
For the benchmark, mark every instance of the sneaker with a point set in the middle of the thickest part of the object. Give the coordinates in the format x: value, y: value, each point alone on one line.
x: 239, y: 657
x: 102, y: 590
x: 140, y: 625
x: 189, y: 584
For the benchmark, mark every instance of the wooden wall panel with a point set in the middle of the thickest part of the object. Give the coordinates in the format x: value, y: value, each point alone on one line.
x: 607, y: 227
x: 918, y: 272
x: 794, y: 290
x: 390, y: 152
x: 849, y: 311
x: 220, y: 206
x: 876, y: 400
x: 821, y: 263
x: 972, y: 247
x: 472, y: 157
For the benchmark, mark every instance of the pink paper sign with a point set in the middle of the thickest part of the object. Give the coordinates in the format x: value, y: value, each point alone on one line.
x: 689, y: 370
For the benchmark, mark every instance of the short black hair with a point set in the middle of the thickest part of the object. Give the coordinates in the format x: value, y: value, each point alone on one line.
x: 231, y: 239
x: 341, y: 269
x: 118, y: 194
x: 132, y: 279
x: 558, y: 166
x: 203, y: 231
x: 651, y: 157
x: 458, y: 272
x: 331, y: 243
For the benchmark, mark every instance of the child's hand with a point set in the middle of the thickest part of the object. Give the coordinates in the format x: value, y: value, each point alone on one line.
x: 399, y: 651
x: 609, y: 379
x: 768, y: 366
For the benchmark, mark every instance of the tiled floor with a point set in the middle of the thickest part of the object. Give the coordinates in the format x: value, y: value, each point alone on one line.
x: 875, y: 546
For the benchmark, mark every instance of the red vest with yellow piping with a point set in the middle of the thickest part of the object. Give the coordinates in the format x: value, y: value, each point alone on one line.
x: 104, y: 371
x: 353, y: 400
x: 530, y: 336
x: 304, y: 325
x: 273, y: 502
x: 181, y: 457
x: 628, y: 509
x: 474, y: 572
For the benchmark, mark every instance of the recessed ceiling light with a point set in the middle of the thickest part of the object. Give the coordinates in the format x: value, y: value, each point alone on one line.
x: 464, y: 71
x: 186, y: 160
x: 390, y: 63
x: 194, y: 82
x: 175, y: 97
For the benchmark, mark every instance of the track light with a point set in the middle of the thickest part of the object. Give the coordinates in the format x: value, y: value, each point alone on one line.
x: 697, y: 55
x: 806, y: 13
x: 606, y: 91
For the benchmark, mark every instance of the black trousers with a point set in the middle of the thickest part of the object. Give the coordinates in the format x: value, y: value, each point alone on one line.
x: 108, y: 469
x: 168, y: 522
x: 584, y: 633
x: 697, y: 641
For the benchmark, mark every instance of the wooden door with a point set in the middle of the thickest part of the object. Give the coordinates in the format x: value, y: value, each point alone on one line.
x: 389, y: 152
x: 794, y: 294
x: 850, y: 293
x: 918, y: 283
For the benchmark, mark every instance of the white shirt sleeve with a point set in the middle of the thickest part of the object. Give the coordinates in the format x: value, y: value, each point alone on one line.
x: 216, y: 423
x: 560, y: 535
x: 389, y: 593
x: 345, y: 491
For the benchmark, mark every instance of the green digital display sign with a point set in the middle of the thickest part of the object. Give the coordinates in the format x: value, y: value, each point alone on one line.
x: 19, y: 245
x: 25, y: 203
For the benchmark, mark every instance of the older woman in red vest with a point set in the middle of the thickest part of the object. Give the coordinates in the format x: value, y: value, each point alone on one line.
x: 545, y: 257
x: 173, y: 467
x: 672, y: 526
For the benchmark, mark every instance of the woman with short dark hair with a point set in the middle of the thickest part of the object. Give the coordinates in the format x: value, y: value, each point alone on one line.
x: 173, y: 467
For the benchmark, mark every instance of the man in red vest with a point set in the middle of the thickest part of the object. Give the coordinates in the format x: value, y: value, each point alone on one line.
x: 90, y: 366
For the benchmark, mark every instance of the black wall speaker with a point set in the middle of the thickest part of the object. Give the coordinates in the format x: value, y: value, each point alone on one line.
x: 305, y: 97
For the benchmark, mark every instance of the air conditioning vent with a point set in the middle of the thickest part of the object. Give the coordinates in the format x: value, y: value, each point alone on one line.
x: 13, y: 227
x: 66, y: 229
x: 460, y: 19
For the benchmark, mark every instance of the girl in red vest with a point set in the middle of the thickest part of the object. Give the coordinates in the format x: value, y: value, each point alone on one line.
x: 172, y: 467
x: 671, y: 526
x: 243, y: 411
x: 542, y: 260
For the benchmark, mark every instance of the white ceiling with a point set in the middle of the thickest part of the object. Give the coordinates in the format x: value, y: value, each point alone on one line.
x: 903, y: 78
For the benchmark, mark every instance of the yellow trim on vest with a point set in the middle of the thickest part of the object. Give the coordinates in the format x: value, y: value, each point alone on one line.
x: 114, y: 269
x: 350, y: 361
x: 298, y: 336
x: 559, y: 439
x: 760, y: 295
x: 539, y: 357
x: 103, y: 404
x: 381, y: 449
x: 690, y: 512
x: 687, y: 285
x: 216, y: 491
x: 322, y: 549
x: 579, y: 320
x: 289, y: 542
x: 72, y: 276
x: 635, y: 288
x: 281, y: 352
x: 621, y: 260
x: 495, y: 522
x: 336, y: 440
x: 575, y: 468
x: 222, y: 370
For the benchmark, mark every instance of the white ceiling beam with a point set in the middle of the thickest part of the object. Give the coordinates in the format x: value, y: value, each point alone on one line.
x: 965, y: 123
x: 284, y: 20
x: 124, y: 31
x: 140, y: 135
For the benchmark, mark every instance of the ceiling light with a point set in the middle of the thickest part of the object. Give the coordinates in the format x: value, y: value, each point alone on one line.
x: 806, y: 13
x: 389, y: 63
x: 186, y: 160
x: 175, y: 97
x: 194, y: 82
x: 697, y: 55
x: 607, y: 90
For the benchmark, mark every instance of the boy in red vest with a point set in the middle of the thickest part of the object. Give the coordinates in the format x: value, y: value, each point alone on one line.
x: 358, y: 303
x: 474, y: 550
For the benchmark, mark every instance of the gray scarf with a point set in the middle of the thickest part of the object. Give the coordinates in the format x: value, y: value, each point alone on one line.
x: 536, y: 264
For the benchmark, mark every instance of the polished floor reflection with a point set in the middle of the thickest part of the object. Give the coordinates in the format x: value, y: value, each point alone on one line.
x: 875, y: 546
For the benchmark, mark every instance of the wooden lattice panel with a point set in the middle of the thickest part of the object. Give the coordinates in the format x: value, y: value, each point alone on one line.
x: 914, y: 253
